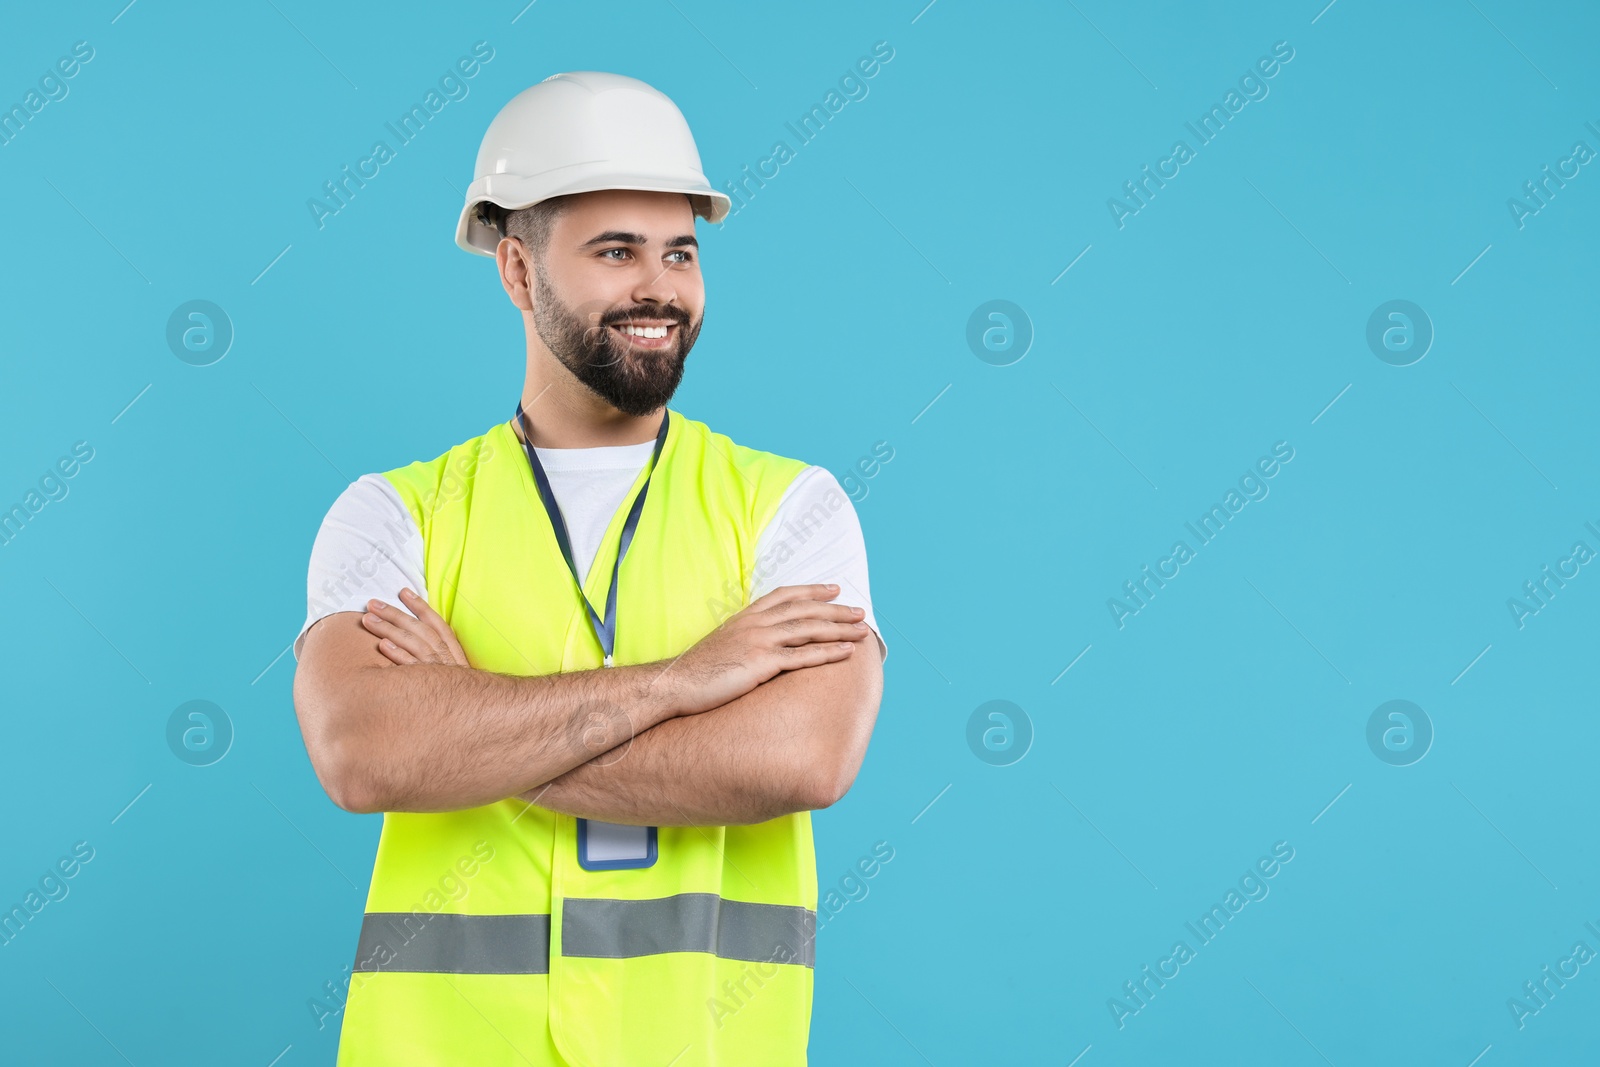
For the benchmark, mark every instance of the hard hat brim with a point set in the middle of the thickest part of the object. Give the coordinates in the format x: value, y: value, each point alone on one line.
x: 514, y: 191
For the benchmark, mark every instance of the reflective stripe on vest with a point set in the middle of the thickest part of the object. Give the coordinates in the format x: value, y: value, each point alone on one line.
x: 484, y: 940
x: 454, y: 944
x: 614, y: 929
x: 689, y: 922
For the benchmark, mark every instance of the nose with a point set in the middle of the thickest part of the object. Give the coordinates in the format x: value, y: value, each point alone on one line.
x: 654, y: 285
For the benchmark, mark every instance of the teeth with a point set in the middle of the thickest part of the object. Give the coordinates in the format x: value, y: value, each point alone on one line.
x: 644, y: 331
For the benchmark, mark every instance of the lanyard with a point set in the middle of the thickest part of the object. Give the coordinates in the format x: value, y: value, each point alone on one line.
x: 605, y: 629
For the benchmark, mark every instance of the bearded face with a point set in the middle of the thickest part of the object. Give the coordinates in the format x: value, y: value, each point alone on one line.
x: 632, y: 357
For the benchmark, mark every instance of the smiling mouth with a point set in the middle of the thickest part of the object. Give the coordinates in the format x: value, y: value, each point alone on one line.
x: 646, y: 335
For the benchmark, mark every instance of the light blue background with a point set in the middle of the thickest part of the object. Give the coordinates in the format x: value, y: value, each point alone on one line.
x: 1222, y: 318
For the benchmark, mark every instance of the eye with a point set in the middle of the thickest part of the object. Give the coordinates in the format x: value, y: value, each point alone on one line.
x: 688, y: 256
x: 608, y: 251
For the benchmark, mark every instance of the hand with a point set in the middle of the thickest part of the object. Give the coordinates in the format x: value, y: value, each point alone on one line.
x: 791, y: 627
x: 425, y: 638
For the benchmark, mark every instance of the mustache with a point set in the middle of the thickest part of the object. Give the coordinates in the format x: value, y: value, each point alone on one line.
x: 647, y: 311
x: 597, y: 339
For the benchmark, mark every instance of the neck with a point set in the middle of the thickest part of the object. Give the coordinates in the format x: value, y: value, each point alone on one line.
x: 562, y: 412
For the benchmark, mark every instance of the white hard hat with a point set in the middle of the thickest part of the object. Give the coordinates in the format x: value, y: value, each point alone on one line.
x: 577, y: 133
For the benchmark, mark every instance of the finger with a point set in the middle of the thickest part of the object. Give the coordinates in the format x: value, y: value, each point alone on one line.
x: 381, y: 626
x: 815, y: 609
x: 434, y: 620
x: 395, y: 653
x: 811, y: 631
x: 812, y: 655
x: 785, y: 593
x: 424, y: 612
x: 397, y: 617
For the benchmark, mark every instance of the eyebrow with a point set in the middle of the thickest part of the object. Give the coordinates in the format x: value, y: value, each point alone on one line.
x: 628, y: 238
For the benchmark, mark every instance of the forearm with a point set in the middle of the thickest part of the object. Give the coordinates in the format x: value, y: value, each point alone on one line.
x: 431, y: 737
x: 792, y: 744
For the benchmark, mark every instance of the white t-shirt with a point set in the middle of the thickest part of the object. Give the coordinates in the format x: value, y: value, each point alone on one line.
x: 368, y: 546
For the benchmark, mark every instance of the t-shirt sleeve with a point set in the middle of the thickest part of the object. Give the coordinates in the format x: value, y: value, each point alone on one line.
x: 367, y: 547
x: 815, y: 536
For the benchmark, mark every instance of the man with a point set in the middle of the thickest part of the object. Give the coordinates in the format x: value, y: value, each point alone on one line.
x: 596, y: 846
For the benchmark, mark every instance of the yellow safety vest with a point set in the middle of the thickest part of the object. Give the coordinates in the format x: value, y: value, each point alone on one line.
x: 484, y: 942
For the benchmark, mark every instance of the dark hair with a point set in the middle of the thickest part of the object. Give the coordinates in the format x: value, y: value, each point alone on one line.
x: 530, y: 225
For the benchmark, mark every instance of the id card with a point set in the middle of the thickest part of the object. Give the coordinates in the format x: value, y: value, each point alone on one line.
x: 609, y: 846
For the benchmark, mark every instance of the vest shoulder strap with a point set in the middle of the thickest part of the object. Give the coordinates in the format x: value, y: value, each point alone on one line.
x: 427, y: 486
x: 752, y: 481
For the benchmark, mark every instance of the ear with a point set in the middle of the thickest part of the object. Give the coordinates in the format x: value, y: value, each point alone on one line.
x: 516, y: 272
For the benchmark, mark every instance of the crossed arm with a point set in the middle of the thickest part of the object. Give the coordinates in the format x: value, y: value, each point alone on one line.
x: 793, y: 743
x: 769, y: 714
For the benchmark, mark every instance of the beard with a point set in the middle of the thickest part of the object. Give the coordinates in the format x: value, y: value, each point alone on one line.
x: 633, y: 380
